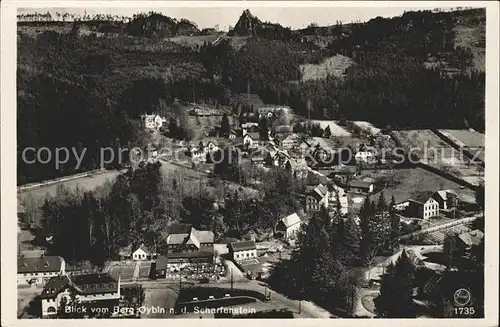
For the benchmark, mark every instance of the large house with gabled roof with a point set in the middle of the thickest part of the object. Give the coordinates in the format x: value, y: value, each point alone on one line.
x: 38, y: 270
x: 289, y: 226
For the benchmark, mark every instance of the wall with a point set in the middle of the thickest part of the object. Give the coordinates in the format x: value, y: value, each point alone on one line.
x: 242, y: 255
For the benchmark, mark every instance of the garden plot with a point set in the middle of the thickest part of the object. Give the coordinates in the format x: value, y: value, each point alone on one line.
x: 464, y: 138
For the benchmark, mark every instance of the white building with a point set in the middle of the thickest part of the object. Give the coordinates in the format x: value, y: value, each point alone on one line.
x: 142, y: 253
x: 289, y: 226
x: 365, y: 157
x: 37, y: 271
x: 244, y: 250
x: 87, y: 288
x: 153, y: 121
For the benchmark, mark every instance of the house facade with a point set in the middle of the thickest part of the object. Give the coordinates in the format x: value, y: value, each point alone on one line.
x: 86, y: 288
x: 365, y: 157
x: 361, y: 186
x: 291, y: 141
x: 316, y: 198
x: 153, y: 121
x: 38, y: 271
x: 251, y: 139
x: 186, y: 244
x: 142, y: 253
x: 424, y: 208
x: 241, y: 251
x: 289, y: 226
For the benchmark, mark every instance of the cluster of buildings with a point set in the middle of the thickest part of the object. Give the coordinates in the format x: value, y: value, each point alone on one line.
x: 428, y: 204
x: 153, y: 121
x: 60, y: 286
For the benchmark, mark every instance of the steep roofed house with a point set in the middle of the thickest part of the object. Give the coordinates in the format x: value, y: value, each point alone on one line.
x: 244, y: 250
x: 86, y: 288
x: 291, y: 141
x: 187, y: 244
x: 251, y: 139
x: 289, y: 226
x: 447, y: 199
x: 316, y: 198
x: 361, y: 186
x: 142, y: 253
x: 37, y: 271
x: 423, y: 205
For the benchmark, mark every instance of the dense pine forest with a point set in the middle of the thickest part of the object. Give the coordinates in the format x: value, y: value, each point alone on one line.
x: 83, y: 84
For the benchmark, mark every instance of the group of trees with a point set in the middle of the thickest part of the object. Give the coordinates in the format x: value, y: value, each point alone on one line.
x: 95, y: 225
x: 320, y: 269
x: 140, y: 204
x: 379, y: 227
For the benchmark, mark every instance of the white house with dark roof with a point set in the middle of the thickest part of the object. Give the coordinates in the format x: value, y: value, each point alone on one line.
x: 142, y: 253
x: 289, y: 226
x: 186, y: 244
x: 37, y: 271
x: 244, y: 250
x: 87, y: 288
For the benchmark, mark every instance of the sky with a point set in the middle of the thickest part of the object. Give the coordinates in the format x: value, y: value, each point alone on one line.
x: 294, y: 17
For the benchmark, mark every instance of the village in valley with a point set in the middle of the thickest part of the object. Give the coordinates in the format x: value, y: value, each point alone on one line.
x: 252, y: 208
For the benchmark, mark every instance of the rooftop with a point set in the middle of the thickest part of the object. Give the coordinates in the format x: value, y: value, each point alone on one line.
x: 242, y: 246
x: 40, y: 264
x: 291, y: 220
x: 361, y: 184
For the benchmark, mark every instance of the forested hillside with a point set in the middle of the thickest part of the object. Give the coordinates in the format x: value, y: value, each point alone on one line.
x: 83, y: 83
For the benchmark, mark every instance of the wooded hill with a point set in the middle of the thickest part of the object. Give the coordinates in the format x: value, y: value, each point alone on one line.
x: 88, y: 79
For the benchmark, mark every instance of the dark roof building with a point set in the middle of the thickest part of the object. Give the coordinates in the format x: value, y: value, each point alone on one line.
x: 40, y: 264
x: 242, y: 246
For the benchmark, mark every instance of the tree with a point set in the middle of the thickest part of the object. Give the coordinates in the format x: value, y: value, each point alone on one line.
x: 264, y: 128
x: 328, y: 132
x: 396, y: 290
x: 382, y: 205
x: 352, y: 240
x: 225, y: 127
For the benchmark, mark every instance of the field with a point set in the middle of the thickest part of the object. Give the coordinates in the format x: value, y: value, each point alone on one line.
x: 437, y: 153
x: 193, y: 41
x: 123, y: 269
x: 423, y: 140
x: 472, y: 37
x: 336, y: 129
x: 409, y: 181
x: 87, y: 183
x: 367, y: 127
x: 464, y: 138
x: 203, y: 125
x: 334, y: 66
x: 163, y: 297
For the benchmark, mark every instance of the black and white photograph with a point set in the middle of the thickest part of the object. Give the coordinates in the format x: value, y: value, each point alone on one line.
x: 246, y: 161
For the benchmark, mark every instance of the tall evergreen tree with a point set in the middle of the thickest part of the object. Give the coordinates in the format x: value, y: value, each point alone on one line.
x: 396, y: 290
x: 225, y: 127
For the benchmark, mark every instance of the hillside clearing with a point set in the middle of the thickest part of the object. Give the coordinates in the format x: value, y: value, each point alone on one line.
x: 464, y: 138
x: 334, y: 66
x: 475, y: 39
x: 336, y: 129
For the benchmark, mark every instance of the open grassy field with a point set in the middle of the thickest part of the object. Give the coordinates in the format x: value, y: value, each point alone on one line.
x: 336, y: 129
x: 159, y: 297
x: 193, y: 41
x: 334, y: 66
x: 367, y: 127
x: 420, y: 139
x: 87, y: 183
x: 464, y: 138
x: 203, y: 125
x: 409, y: 181
x: 473, y: 38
